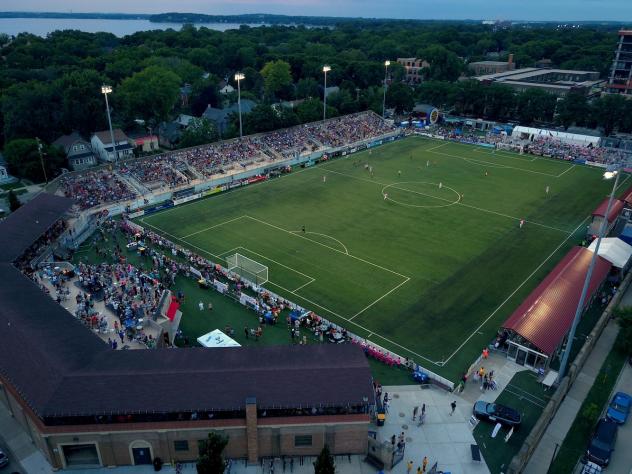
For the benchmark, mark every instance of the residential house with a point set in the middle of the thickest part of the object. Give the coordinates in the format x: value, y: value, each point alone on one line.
x: 220, y: 117
x: 78, y: 151
x: 104, y: 149
x: 170, y: 133
x: 144, y: 143
x: 227, y: 89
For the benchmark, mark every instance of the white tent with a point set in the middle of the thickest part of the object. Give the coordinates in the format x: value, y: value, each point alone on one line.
x: 530, y: 133
x: 217, y: 338
x: 615, y: 250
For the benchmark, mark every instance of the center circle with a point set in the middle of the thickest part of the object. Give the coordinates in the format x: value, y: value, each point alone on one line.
x: 422, y: 206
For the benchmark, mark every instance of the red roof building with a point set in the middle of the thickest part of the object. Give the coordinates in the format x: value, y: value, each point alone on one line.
x: 615, y: 209
x: 546, y: 316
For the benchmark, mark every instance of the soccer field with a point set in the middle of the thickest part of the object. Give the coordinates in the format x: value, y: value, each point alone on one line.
x: 430, y: 270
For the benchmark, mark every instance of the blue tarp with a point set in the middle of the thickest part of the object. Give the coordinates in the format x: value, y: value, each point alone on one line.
x: 626, y: 234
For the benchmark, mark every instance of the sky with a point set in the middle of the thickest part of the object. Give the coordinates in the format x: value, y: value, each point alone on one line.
x: 619, y: 10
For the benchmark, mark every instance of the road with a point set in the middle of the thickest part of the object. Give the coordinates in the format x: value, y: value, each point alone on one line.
x: 621, y: 462
x: 13, y: 466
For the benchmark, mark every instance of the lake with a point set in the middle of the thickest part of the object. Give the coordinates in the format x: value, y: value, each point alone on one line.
x: 44, y: 26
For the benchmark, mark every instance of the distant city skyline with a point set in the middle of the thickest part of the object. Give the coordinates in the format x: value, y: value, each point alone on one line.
x: 546, y: 10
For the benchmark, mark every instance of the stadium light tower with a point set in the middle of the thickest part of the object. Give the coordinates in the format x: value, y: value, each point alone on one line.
x: 387, y: 63
x: 326, y: 69
x: 611, y: 172
x: 239, y: 77
x: 105, y: 90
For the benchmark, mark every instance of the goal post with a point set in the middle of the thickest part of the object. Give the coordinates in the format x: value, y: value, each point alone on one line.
x: 247, y: 268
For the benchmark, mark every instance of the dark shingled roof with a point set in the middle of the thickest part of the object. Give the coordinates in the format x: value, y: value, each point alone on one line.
x: 61, y: 368
x: 24, y: 226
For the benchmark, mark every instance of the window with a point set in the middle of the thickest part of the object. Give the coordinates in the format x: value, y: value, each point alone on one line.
x: 182, y: 445
x: 302, y: 441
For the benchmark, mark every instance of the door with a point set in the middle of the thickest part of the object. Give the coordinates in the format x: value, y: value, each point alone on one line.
x: 141, y: 456
x: 81, y: 455
x: 521, y: 357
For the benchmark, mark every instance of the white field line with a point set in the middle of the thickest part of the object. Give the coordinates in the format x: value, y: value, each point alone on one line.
x: 279, y: 264
x: 485, y: 163
x: 212, y: 227
x: 460, y: 202
x: 622, y: 182
x: 504, y: 154
x: 324, y: 235
x: 330, y: 248
x: 514, y: 292
x: 181, y: 240
x: 313, y: 303
x: 435, y: 147
x: 565, y: 171
x: 228, y: 252
x: 378, y: 300
x: 303, y: 286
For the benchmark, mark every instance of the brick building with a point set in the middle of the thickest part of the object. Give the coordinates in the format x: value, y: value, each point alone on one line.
x: 414, y: 69
x: 86, y: 405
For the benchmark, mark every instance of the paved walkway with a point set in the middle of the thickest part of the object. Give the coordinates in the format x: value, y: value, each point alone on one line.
x: 563, y: 419
x: 444, y: 438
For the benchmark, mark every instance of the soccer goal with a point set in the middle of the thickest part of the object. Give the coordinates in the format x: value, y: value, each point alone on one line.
x: 247, y: 268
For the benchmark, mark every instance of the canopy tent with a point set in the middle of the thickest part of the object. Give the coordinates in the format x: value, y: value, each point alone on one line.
x: 530, y: 133
x: 217, y: 338
x: 613, y: 249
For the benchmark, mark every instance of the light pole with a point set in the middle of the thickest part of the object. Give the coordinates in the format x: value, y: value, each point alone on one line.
x: 386, y: 65
x: 41, y: 157
x: 239, y: 77
x: 612, y: 172
x: 105, y: 90
x: 326, y: 69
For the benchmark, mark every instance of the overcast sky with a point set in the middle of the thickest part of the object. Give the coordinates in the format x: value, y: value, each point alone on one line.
x: 620, y: 10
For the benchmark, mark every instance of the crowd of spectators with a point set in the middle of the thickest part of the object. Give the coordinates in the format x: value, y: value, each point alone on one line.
x: 94, y: 188
x: 160, y: 169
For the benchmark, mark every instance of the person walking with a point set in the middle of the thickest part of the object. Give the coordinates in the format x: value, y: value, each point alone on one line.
x: 415, y: 410
x: 453, y: 406
x: 409, y: 467
x: 424, y: 464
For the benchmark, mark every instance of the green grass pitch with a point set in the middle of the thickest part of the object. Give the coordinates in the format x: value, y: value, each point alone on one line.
x: 430, y: 270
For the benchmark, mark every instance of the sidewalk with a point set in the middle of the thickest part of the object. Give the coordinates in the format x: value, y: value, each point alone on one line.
x: 563, y: 419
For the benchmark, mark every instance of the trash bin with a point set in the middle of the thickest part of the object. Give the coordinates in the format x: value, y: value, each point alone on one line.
x: 381, y: 418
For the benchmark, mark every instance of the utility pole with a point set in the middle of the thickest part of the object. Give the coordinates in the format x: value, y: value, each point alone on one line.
x: 41, y: 156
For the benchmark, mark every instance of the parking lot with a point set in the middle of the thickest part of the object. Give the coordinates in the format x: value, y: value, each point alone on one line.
x: 622, y: 456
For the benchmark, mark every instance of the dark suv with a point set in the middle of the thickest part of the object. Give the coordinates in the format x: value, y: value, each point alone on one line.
x: 602, y: 443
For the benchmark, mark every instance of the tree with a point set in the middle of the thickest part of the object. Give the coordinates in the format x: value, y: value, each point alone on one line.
x: 277, y: 78
x: 199, y: 132
x: 211, y: 460
x: 149, y: 94
x: 307, y: 88
x: 535, y: 104
x: 400, y: 97
x: 83, y: 107
x: 444, y: 64
x: 14, y: 202
x: 24, y: 160
x: 324, y: 463
x: 343, y: 101
x: 625, y: 323
x: 572, y: 109
x: 608, y: 112
x: 312, y: 111
x: 204, y: 93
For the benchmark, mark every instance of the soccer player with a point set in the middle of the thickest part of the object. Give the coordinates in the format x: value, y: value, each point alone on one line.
x: 547, y: 190
x: 385, y: 196
x: 427, y: 163
x: 486, y: 173
x: 399, y: 173
x: 303, y: 229
x: 440, y: 185
x: 521, y: 223
x: 324, y: 178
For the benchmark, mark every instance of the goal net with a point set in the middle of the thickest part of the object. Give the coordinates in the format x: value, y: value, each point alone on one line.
x: 247, y: 268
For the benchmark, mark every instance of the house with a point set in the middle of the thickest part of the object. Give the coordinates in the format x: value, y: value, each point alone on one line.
x: 78, y: 151
x: 492, y: 67
x: 220, y: 117
x: 5, y: 177
x: 185, y: 94
x: 144, y: 143
x: 227, y: 89
x: 103, y: 148
x: 170, y: 133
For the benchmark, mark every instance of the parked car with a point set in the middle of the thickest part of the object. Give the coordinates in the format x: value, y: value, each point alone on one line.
x: 497, y: 413
x: 619, y: 408
x: 4, y: 459
x: 602, y: 443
